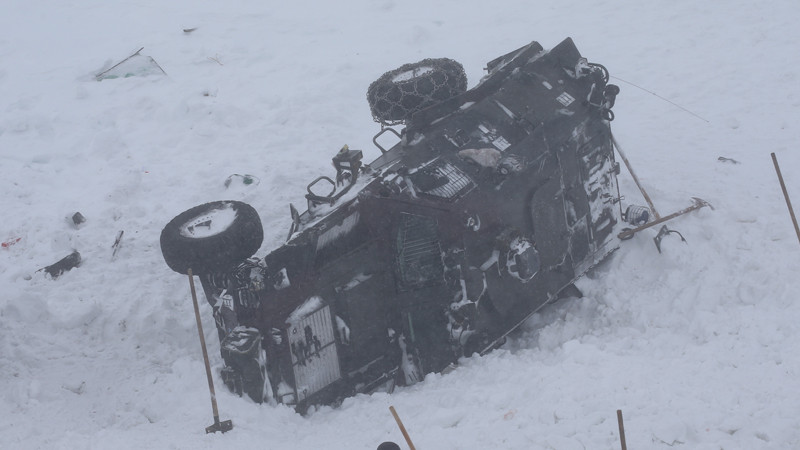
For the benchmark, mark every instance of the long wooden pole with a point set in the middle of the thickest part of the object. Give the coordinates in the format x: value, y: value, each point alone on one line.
x: 217, y: 426
x: 786, y: 195
x: 621, y: 430
x: 635, y: 178
x: 402, y: 428
x: 203, y: 345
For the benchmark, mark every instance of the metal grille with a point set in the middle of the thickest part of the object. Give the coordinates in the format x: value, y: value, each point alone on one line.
x: 314, y: 355
x: 418, y: 252
x: 457, y: 184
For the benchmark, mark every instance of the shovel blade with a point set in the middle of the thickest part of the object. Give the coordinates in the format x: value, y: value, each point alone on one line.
x: 225, y: 425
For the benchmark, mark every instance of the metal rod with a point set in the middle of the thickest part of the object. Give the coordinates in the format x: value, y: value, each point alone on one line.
x: 402, y: 428
x: 99, y: 75
x: 621, y: 430
x: 635, y: 178
x: 698, y: 203
x: 786, y: 196
x: 203, y: 345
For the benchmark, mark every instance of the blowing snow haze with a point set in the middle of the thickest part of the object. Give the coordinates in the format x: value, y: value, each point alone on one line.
x: 697, y: 345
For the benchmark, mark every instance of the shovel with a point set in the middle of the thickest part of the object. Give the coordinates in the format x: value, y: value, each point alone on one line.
x: 225, y: 425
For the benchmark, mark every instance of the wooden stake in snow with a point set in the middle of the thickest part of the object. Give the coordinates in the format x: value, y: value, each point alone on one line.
x: 402, y: 428
x: 117, y: 244
x: 621, y: 430
x: 786, y: 195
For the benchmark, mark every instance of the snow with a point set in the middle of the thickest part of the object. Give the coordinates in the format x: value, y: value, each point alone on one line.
x: 697, y: 346
x: 309, y: 306
x: 411, y: 74
x: 209, y: 223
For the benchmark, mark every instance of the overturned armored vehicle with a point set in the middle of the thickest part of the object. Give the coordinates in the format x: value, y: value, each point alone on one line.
x: 493, y: 202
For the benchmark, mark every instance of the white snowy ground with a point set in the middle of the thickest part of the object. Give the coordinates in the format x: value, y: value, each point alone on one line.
x: 698, y: 346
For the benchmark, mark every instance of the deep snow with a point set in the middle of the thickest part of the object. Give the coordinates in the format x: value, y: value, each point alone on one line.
x: 697, y: 346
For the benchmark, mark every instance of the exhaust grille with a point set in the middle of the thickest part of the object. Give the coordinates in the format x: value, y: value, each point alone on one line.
x: 442, y: 179
x: 418, y: 252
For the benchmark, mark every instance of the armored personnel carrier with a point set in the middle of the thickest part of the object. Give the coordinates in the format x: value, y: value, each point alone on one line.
x: 491, y: 204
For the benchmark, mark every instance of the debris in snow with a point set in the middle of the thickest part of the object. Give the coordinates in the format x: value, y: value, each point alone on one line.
x: 65, y: 264
x: 117, y: 244
x: 189, y: 30
x: 245, y: 180
x: 664, y: 232
x: 77, y: 220
x: 10, y: 242
x: 132, y: 66
x: 75, y: 389
x: 730, y: 160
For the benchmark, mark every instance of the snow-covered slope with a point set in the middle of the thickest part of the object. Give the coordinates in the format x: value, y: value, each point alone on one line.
x: 698, y: 345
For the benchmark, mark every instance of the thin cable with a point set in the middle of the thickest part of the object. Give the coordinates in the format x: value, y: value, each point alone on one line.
x: 662, y: 98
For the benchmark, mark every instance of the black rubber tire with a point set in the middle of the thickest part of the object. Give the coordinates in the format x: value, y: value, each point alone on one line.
x: 217, y: 252
x: 398, y: 94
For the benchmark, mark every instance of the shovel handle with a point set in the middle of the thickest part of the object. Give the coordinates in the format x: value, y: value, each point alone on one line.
x: 203, y: 345
x: 402, y: 428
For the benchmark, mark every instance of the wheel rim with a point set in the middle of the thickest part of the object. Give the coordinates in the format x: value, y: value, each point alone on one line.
x: 209, y: 223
